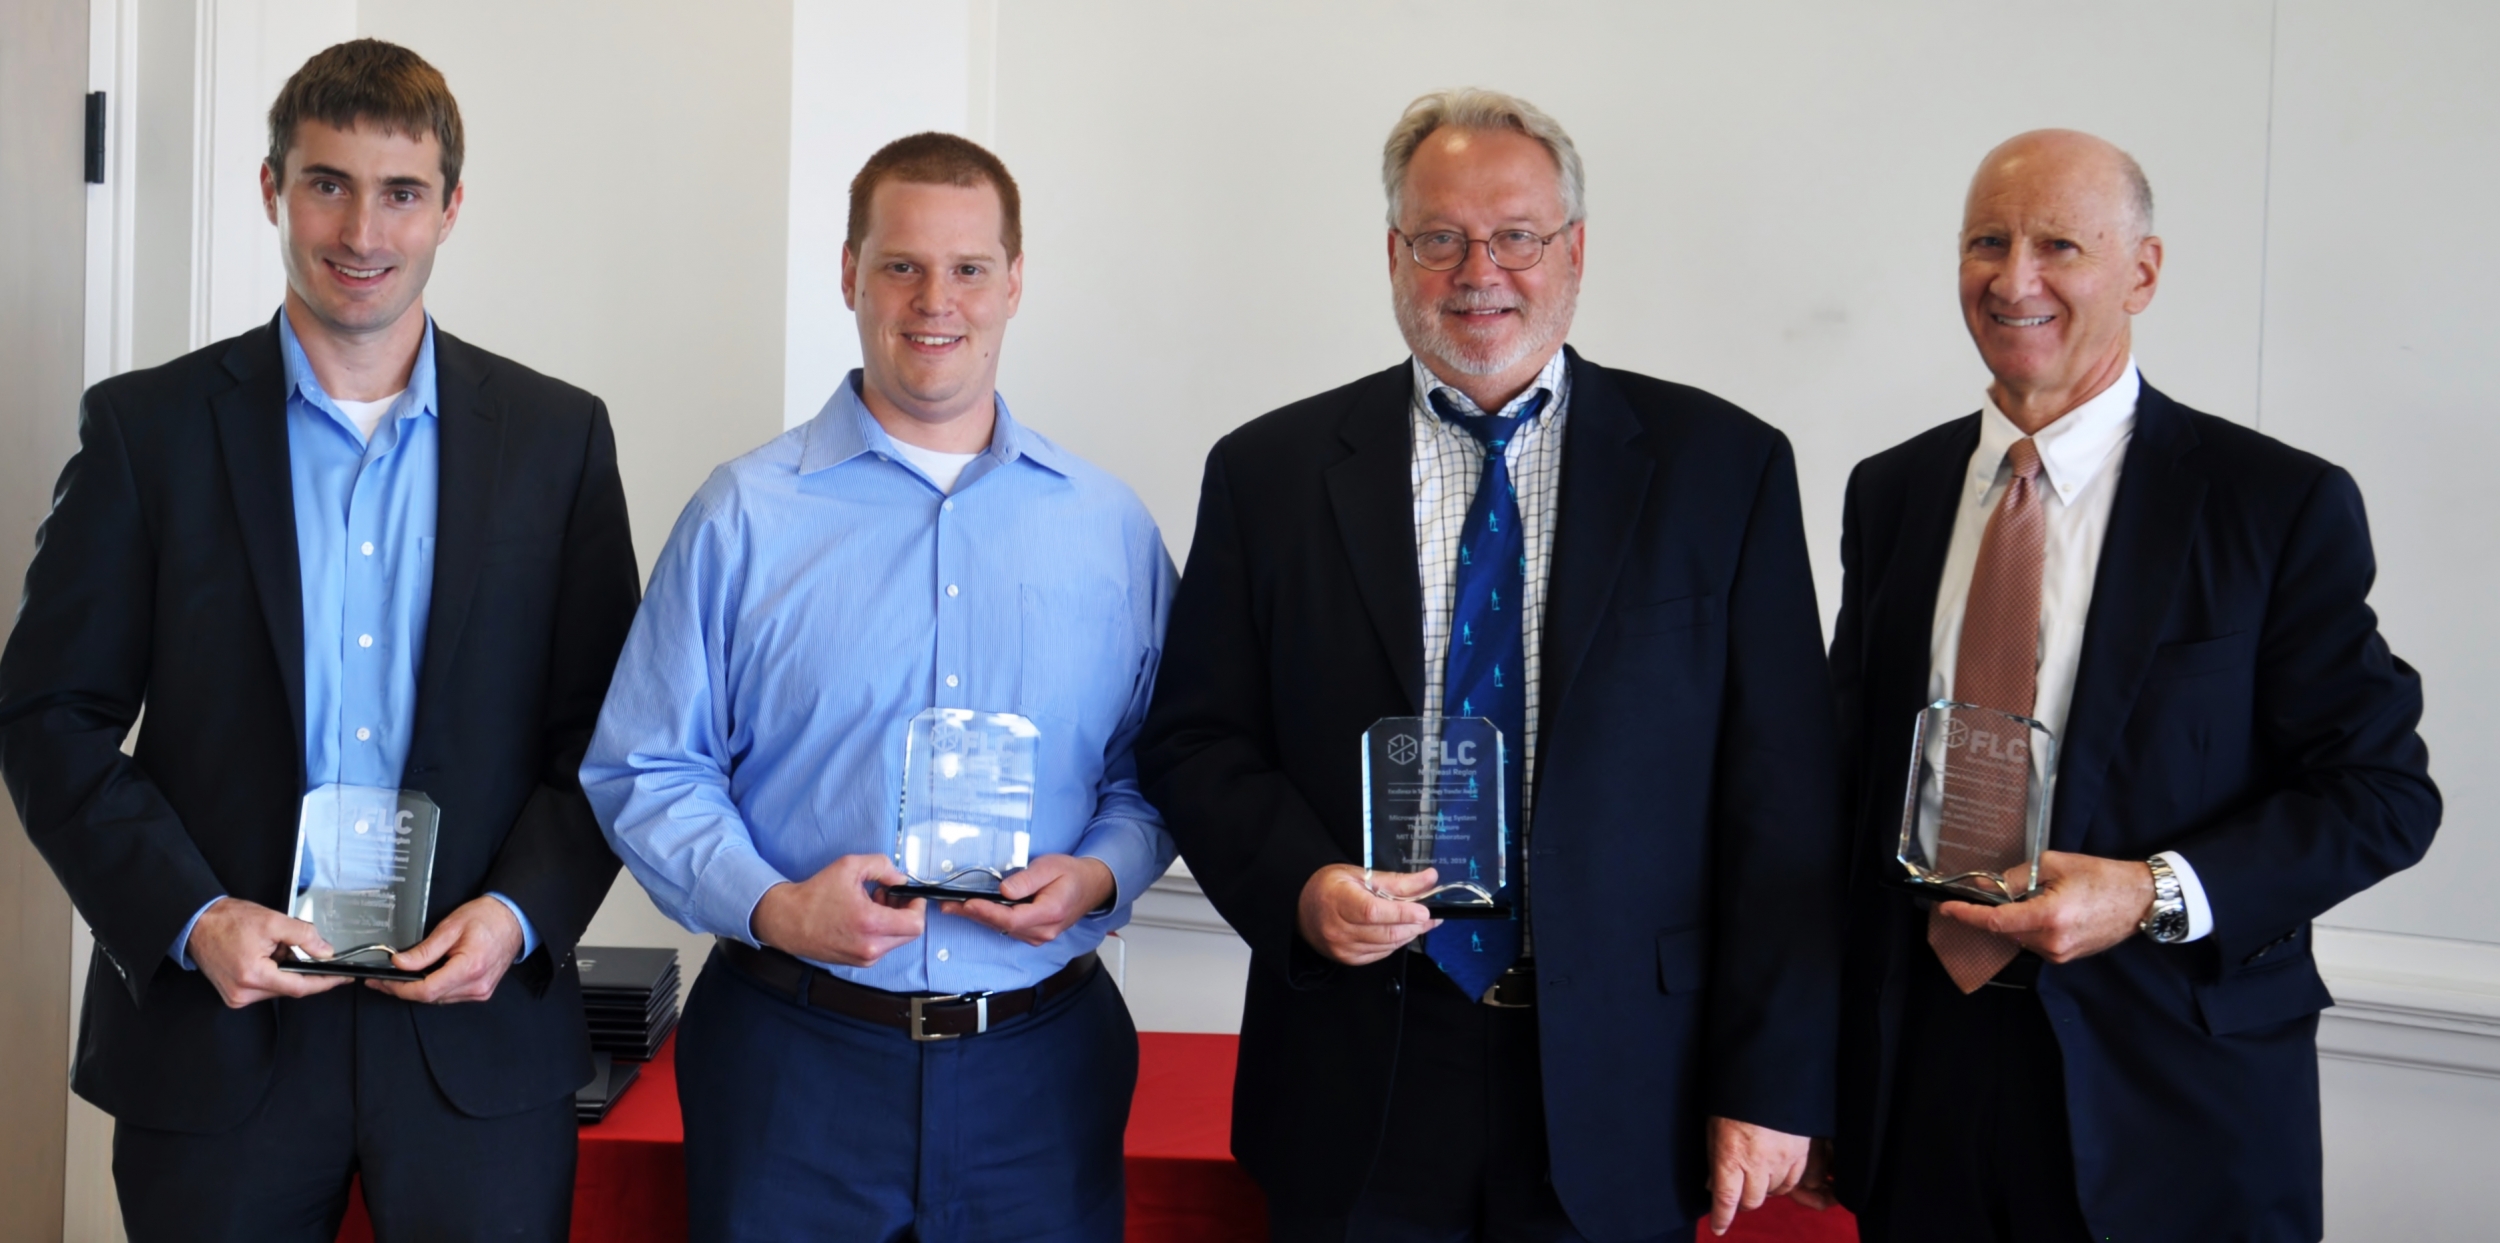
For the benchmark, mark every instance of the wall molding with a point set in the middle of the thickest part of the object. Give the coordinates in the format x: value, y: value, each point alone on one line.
x: 1176, y: 902
x: 2421, y: 1003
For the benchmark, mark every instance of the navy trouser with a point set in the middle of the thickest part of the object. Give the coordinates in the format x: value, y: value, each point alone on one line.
x: 1463, y: 1159
x: 805, y: 1124
x: 351, y: 1095
x: 1979, y: 1150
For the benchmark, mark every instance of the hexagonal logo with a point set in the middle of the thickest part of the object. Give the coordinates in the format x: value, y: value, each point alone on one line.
x: 1402, y: 749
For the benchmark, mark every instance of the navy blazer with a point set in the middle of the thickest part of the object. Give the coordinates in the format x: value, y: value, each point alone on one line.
x: 1686, y: 852
x: 2234, y: 703
x: 166, y: 576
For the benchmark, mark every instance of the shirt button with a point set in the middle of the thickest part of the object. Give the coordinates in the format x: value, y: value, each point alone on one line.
x: 952, y: 590
x: 364, y: 640
x: 950, y: 679
x: 364, y: 735
x: 368, y: 548
x: 948, y: 506
x: 942, y: 955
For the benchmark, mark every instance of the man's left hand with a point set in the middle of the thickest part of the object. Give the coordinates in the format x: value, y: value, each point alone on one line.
x: 474, y: 944
x: 1750, y: 1164
x: 1064, y: 889
x: 2085, y: 905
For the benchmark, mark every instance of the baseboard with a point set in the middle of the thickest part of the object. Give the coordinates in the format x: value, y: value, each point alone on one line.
x: 2423, y: 1003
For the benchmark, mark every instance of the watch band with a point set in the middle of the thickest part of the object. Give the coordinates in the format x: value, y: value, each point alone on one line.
x: 2168, y: 923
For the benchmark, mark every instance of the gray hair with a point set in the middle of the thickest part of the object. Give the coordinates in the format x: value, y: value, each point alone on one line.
x: 2139, y: 195
x: 1474, y: 108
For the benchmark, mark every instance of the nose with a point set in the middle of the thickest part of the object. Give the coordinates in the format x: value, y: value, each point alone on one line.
x: 930, y: 295
x: 358, y: 230
x: 2018, y: 276
x: 1478, y: 269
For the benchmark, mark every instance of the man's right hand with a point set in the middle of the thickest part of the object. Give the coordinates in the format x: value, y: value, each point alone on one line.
x: 236, y: 945
x: 832, y: 917
x: 1344, y: 919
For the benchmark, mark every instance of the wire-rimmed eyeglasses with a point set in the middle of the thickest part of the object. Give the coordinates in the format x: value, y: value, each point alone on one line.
x: 1512, y: 250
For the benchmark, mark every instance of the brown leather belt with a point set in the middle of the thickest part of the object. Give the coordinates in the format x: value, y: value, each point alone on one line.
x: 923, y: 1016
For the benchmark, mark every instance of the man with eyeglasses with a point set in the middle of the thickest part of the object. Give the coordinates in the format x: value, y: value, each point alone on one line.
x: 1611, y: 570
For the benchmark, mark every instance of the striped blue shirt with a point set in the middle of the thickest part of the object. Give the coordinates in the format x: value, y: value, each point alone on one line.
x: 818, y: 593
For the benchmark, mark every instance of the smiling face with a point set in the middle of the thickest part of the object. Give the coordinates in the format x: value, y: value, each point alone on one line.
x: 359, y: 213
x: 1478, y: 325
x: 2055, y: 265
x: 933, y: 288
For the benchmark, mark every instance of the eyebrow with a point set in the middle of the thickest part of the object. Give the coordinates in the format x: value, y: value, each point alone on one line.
x: 341, y: 174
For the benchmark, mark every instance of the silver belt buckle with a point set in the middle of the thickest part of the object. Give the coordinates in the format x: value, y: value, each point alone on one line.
x: 920, y: 1023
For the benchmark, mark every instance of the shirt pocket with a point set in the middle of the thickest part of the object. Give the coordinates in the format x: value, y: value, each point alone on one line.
x: 1079, y: 653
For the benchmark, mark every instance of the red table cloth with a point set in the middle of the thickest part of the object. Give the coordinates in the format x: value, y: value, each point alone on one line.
x: 1183, y: 1186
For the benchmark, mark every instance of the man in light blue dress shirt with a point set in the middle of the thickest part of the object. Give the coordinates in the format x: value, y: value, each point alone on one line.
x: 854, y: 1064
x: 345, y: 550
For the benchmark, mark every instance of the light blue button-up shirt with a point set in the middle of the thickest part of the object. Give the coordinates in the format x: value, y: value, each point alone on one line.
x: 364, y: 545
x: 818, y: 593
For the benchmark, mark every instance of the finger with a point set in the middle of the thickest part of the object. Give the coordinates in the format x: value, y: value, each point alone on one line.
x: 1405, y: 884
x: 1388, y: 912
x: 1757, y: 1189
x: 301, y: 933
x: 1724, y: 1191
x: 445, y: 937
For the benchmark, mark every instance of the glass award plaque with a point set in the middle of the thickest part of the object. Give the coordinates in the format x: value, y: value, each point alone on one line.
x: 1433, y: 793
x: 1976, y: 815
x: 364, y: 869
x: 967, y: 813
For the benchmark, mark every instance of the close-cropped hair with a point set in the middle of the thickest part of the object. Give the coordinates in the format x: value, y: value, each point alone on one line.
x: 1474, y: 108
x: 935, y: 159
x: 368, y: 82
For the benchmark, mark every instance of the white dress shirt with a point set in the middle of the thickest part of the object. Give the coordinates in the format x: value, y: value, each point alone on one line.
x: 2080, y: 457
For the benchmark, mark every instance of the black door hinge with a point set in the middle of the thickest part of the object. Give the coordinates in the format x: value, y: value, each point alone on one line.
x: 95, y: 138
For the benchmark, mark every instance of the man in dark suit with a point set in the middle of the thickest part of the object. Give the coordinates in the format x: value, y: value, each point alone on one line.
x: 342, y: 549
x: 1612, y: 569
x: 2131, y: 1052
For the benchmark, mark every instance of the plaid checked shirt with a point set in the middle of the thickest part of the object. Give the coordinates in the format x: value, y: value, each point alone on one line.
x: 1445, y: 465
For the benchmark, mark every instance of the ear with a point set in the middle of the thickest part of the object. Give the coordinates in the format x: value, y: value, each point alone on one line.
x: 2147, y: 275
x: 850, y: 277
x: 1576, y: 248
x: 268, y: 192
x: 1015, y: 284
x: 1395, y: 243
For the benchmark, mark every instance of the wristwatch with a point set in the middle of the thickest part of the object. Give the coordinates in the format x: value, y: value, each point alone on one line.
x: 2168, y: 923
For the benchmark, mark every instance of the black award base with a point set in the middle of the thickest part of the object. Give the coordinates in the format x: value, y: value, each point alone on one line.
x: 1467, y: 910
x: 941, y: 893
x: 356, y: 966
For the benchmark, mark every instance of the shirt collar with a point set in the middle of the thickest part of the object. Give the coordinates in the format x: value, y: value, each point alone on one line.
x: 1551, y: 378
x: 2075, y: 448
x: 845, y: 428
x: 301, y: 381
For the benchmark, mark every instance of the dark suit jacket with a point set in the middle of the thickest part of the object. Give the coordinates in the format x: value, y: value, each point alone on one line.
x: 166, y: 576
x: 2234, y: 703
x: 1685, y: 857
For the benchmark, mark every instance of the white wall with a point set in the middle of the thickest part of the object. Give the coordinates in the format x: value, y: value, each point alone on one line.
x: 656, y: 203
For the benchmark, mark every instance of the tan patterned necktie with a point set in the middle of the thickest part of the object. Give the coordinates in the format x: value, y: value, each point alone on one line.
x: 1998, y: 666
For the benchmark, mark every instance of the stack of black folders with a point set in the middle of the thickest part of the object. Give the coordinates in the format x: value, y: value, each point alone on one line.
x: 630, y: 996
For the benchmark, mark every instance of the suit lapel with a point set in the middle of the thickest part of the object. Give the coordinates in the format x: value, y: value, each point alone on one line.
x: 1901, y: 649
x: 251, y: 434
x: 1373, y: 495
x: 2152, y: 523
x: 471, y: 429
x: 1605, y: 481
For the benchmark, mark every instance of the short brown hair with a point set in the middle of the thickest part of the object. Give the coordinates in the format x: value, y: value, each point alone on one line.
x: 935, y: 159
x: 367, y: 80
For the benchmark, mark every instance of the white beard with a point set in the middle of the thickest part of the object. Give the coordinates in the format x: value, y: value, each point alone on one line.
x: 1427, y: 334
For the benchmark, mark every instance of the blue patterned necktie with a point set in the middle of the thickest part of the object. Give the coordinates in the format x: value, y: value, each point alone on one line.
x: 1487, y: 662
